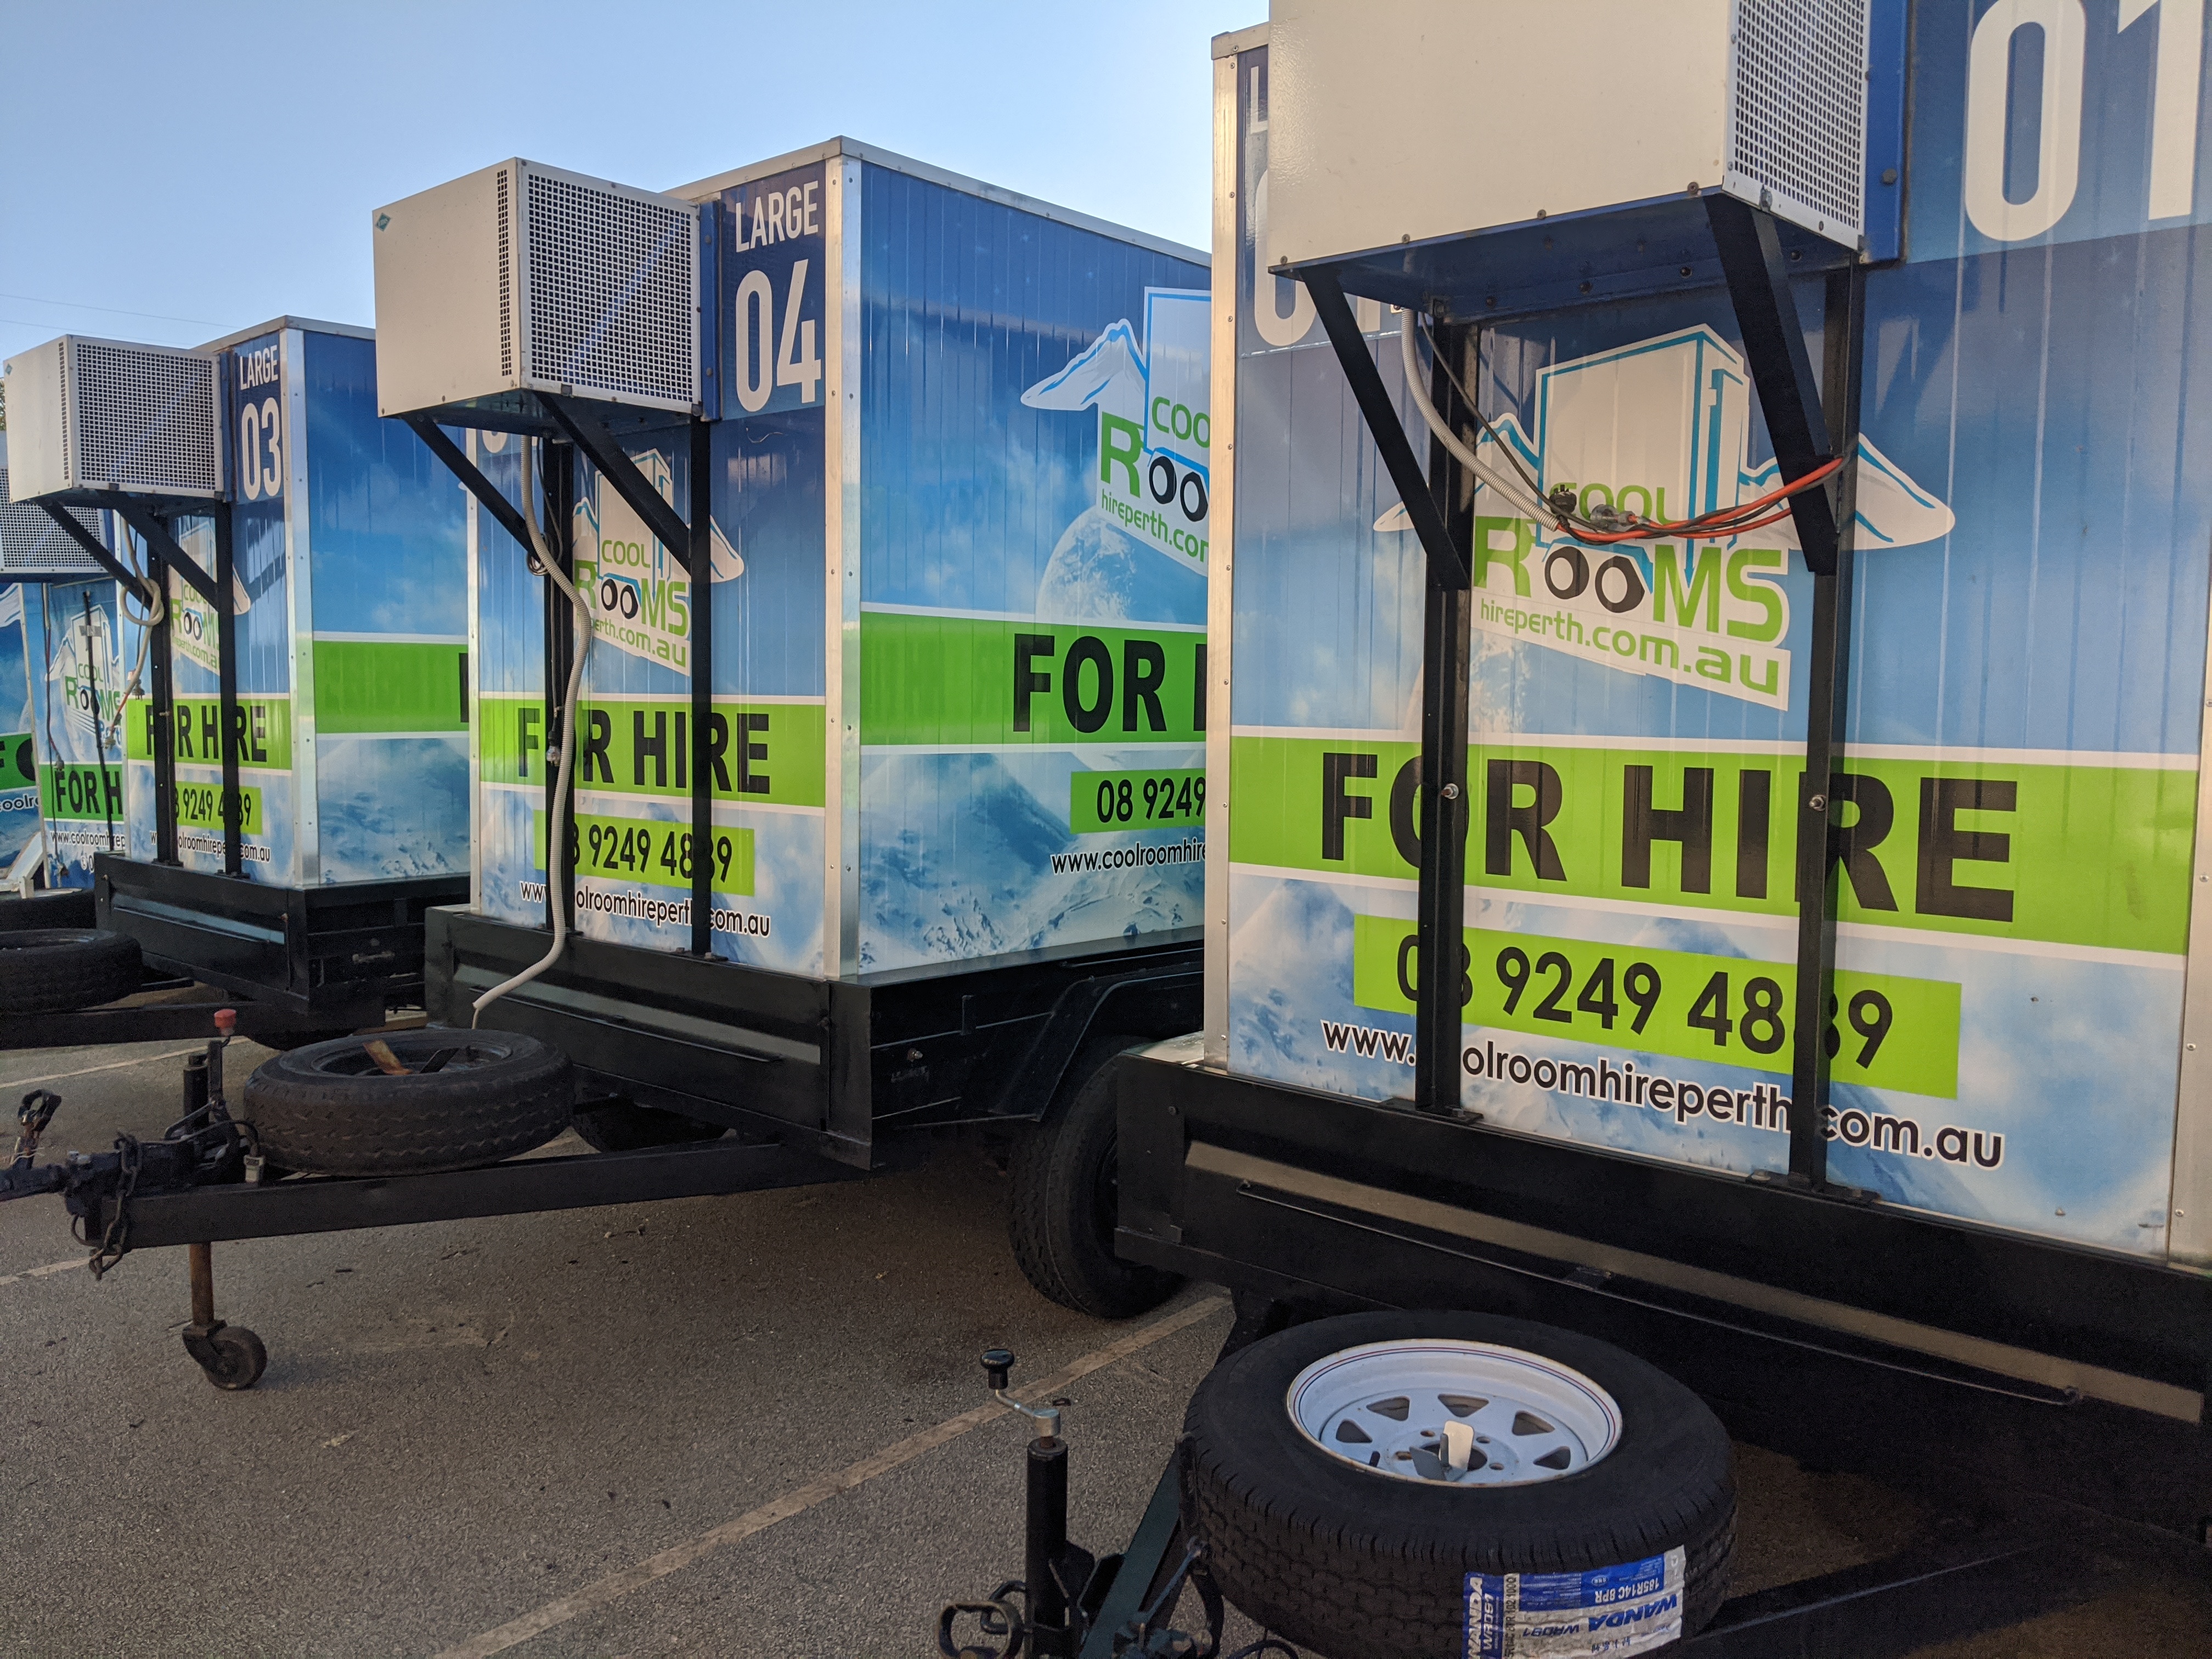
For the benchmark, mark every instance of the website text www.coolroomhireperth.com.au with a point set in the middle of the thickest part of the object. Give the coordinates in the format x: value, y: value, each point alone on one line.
x: 675, y: 913
x: 1762, y: 1106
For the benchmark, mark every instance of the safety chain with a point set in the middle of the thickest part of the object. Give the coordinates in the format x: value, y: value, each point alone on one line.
x: 115, y: 1242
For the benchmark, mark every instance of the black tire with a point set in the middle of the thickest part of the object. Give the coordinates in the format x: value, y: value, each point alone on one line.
x: 1066, y: 1188
x: 1346, y: 1560
x: 327, y: 1110
x: 63, y: 907
x: 50, y: 970
x: 621, y: 1126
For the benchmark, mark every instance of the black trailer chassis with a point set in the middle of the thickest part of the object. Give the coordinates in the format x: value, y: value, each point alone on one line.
x: 293, y: 963
x: 820, y: 1081
x: 336, y: 957
x: 838, y: 1067
x: 2047, y: 1402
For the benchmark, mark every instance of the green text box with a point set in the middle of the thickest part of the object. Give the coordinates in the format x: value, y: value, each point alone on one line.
x: 770, y: 754
x: 377, y: 685
x: 1173, y: 797
x: 928, y: 681
x: 657, y: 855
x: 80, y: 792
x: 19, y: 761
x: 1888, y: 1031
x: 199, y: 807
x: 264, y: 727
x: 2095, y: 856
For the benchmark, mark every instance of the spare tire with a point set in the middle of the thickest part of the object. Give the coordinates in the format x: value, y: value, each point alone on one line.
x: 49, y: 971
x: 62, y: 907
x: 1600, y: 1507
x: 329, y: 1109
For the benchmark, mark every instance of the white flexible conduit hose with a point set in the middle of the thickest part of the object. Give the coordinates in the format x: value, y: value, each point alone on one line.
x: 556, y: 827
x: 1513, y: 490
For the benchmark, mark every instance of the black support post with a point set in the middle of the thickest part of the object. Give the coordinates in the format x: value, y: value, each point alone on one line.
x: 164, y: 554
x: 702, y: 561
x: 232, y: 810
x: 556, y: 506
x: 1446, y: 646
x: 161, y: 718
x: 1431, y: 501
x: 1810, y: 422
x: 100, y: 734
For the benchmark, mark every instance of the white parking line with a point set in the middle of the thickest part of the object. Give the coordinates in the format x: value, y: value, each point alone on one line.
x: 113, y: 1065
x: 799, y: 1500
x: 46, y: 1271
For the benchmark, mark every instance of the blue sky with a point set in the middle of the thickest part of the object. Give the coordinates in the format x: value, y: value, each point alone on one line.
x: 171, y: 172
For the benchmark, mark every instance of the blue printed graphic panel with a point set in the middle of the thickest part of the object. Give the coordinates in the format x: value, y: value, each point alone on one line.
x: 2034, y: 525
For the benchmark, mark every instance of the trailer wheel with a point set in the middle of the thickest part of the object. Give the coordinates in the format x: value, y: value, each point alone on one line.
x: 622, y: 1126
x: 329, y: 1109
x: 1321, y: 1474
x: 50, y: 970
x: 62, y: 907
x: 1067, y: 1192
x: 231, y: 1355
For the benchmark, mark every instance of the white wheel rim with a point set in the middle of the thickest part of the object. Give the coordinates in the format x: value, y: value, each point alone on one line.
x: 1413, y: 1410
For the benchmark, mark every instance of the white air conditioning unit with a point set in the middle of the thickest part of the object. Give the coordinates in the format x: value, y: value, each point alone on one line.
x: 1397, y: 122
x: 33, y: 544
x: 88, y: 414
x: 523, y: 278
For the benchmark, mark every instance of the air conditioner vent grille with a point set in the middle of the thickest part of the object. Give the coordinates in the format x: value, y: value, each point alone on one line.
x: 612, y: 293
x: 1797, y: 118
x: 146, y: 419
x: 506, y: 281
x: 33, y: 544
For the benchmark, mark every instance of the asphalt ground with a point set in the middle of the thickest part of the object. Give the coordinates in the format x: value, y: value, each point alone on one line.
x: 749, y: 1426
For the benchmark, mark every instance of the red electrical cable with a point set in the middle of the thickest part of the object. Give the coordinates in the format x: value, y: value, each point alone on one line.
x: 1729, y: 522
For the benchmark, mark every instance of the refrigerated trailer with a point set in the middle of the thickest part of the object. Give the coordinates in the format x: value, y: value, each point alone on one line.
x: 836, y: 563
x: 285, y: 791
x: 885, y: 496
x: 1811, y: 856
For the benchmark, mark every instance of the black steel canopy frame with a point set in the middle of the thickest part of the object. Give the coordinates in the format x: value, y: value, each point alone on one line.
x: 1808, y: 429
x: 163, y: 554
x: 689, y: 537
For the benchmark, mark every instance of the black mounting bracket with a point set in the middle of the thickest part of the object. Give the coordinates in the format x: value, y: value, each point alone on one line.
x: 471, y: 478
x: 590, y: 434
x: 164, y: 554
x: 1811, y: 419
x: 94, y: 552
x: 165, y: 547
x: 692, y: 545
x: 1431, y: 500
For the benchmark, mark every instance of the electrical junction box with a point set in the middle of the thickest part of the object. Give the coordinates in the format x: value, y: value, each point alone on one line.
x: 523, y: 278
x: 1397, y: 125
x: 89, y: 415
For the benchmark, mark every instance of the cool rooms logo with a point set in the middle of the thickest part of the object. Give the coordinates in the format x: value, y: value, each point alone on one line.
x: 1659, y: 429
x: 1155, y: 427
